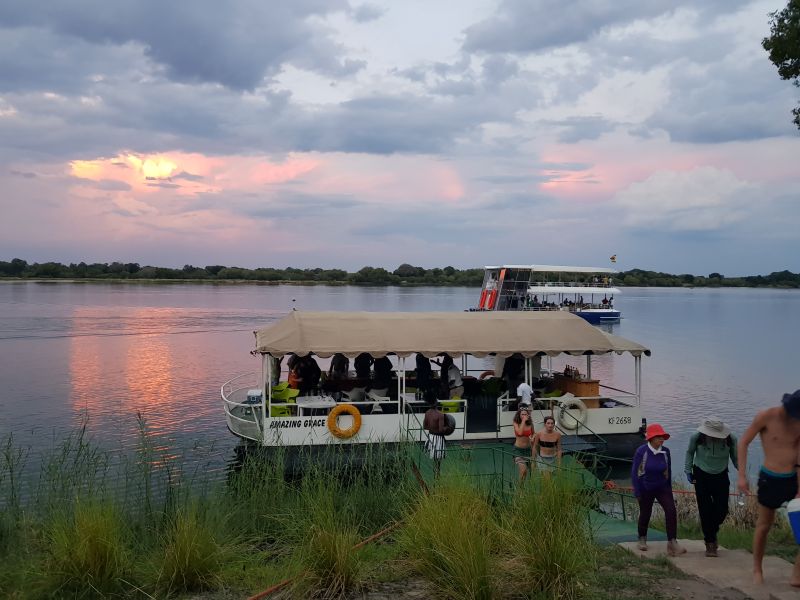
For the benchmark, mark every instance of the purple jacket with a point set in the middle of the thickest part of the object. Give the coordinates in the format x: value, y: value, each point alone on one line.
x: 651, y: 471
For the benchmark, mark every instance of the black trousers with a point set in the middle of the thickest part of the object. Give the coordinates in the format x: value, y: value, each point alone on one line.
x: 712, y: 501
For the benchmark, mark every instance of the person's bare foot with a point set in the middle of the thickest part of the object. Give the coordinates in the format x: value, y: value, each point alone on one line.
x: 758, y: 577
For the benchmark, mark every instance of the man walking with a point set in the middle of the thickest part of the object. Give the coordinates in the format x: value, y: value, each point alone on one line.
x: 779, y: 429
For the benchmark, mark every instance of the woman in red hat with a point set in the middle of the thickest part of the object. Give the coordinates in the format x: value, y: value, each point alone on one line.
x: 652, y: 480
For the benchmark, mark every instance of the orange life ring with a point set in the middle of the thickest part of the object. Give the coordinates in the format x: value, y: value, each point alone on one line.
x: 333, y: 425
x: 485, y: 374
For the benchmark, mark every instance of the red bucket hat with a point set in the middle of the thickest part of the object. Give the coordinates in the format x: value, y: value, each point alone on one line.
x: 653, y: 430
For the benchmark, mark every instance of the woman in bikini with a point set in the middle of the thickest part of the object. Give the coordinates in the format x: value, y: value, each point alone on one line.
x: 546, y: 450
x: 523, y: 432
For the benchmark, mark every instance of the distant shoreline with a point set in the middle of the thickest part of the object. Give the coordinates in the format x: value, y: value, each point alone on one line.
x: 232, y: 282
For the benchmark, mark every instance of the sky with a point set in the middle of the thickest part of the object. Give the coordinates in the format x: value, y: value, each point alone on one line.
x: 335, y: 134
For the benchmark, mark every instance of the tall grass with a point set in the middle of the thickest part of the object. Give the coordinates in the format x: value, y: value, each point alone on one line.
x: 546, y: 534
x: 87, y: 552
x: 192, y: 558
x: 448, y: 536
x: 108, y: 524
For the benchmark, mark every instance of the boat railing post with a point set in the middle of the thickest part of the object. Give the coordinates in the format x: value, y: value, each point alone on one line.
x: 266, y: 397
x: 638, y: 363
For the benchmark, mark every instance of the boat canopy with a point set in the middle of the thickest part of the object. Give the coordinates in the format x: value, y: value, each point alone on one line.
x: 529, y: 333
x: 554, y: 269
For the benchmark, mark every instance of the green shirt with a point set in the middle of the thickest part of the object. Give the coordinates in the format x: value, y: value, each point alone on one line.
x: 712, y: 455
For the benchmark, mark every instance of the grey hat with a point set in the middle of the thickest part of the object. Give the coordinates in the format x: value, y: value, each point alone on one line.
x: 714, y: 427
x: 791, y: 403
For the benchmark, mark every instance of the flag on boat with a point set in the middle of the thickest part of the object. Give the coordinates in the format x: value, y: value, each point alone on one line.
x: 613, y: 258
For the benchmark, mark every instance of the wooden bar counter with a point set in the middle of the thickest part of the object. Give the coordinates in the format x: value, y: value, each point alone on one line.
x: 578, y: 387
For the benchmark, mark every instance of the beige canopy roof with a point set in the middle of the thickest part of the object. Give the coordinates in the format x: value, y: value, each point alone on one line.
x: 432, y: 333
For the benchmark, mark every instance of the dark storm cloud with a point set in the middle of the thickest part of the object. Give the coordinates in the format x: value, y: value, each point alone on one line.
x: 518, y: 202
x: 434, y: 223
x: 236, y: 44
x: 731, y: 102
x: 366, y: 13
x: 521, y: 26
x: 388, y: 124
x: 576, y: 129
x: 295, y: 205
x: 23, y: 174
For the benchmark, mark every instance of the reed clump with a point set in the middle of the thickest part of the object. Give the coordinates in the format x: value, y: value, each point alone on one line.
x: 192, y: 557
x: 546, y: 534
x: 448, y: 537
x: 87, y: 552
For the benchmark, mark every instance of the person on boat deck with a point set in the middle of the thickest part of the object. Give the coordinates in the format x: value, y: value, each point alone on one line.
x: 309, y: 373
x: 524, y: 394
x: 434, y: 423
x: 424, y: 373
x: 523, y: 432
x: 294, y: 379
x: 383, y: 374
x: 340, y: 364
x: 512, y: 372
x: 651, y: 475
x: 546, y: 447
x: 706, y: 466
x: 605, y: 301
x: 444, y: 366
x: 363, y: 364
x: 779, y: 429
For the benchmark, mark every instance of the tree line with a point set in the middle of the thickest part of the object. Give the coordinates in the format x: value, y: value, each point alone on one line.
x: 405, y: 274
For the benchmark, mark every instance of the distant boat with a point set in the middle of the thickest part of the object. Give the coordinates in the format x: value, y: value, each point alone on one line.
x: 549, y: 288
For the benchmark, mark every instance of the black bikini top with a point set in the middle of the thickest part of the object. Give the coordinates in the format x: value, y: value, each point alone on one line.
x: 544, y: 444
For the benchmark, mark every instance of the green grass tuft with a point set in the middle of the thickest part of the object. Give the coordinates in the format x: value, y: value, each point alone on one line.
x: 192, y: 558
x: 87, y: 552
x: 448, y: 538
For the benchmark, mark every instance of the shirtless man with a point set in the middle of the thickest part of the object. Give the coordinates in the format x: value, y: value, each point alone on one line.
x: 779, y: 429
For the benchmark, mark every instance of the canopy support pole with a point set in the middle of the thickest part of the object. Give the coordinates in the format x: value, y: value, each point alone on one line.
x: 266, y: 396
x: 588, y: 366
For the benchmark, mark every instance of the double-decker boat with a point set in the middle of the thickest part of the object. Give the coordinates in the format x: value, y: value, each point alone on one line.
x: 585, y: 291
x: 350, y: 410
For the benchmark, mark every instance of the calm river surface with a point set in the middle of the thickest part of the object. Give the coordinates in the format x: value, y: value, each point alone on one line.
x: 99, y: 353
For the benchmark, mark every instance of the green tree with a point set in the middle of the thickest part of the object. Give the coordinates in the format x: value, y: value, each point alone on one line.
x: 783, y: 45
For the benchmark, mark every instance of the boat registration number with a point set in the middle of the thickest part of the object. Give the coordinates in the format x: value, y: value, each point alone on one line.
x: 619, y: 420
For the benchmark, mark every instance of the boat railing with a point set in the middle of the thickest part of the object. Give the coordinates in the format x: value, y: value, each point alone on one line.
x: 575, y: 284
x: 622, y: 396
x: 249, y: 415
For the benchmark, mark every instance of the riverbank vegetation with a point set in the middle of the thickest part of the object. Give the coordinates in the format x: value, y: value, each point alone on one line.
x: 89, y: 524
x: 77, y: 521
x: 404, y: 275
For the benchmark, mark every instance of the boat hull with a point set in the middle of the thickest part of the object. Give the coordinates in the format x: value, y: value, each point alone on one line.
x: 596, y: 317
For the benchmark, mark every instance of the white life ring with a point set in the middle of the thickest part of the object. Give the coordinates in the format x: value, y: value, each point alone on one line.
x: 566, y: 419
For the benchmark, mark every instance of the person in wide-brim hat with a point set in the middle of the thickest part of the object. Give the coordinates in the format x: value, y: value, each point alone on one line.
x: 651, y: 475
x: 710, y: 449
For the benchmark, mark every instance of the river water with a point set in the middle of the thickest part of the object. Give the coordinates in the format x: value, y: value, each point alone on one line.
x: 98, y: 354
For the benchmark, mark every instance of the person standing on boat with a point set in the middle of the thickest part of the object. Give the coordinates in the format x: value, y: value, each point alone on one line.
x: 706, y: 466
x: 523, y: 432
x: 340, y: 364
x: 651, y: 475
x: 363, y: 364
x: 546, y: 447
x: 779, y: 429
x: 424, y: 374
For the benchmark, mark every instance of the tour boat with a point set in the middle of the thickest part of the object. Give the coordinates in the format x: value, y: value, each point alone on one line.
x: 551, y: 288
x: 592, y: 414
